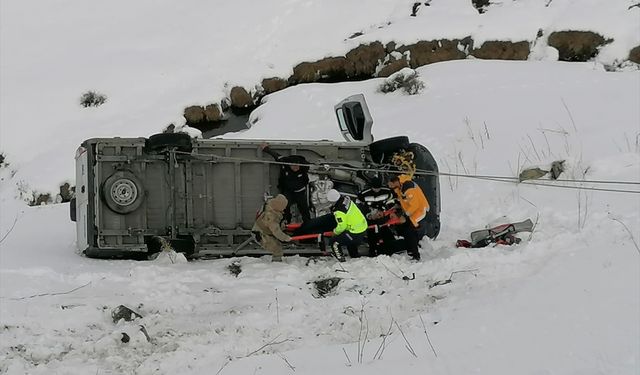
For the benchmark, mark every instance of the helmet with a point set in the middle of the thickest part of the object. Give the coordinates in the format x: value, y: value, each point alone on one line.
x: 333, y: 195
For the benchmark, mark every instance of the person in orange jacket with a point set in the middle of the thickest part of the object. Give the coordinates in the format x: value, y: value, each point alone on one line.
x: 415, y: 206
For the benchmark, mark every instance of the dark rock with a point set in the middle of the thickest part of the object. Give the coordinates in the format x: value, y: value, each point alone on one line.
x: 171, y: 128
x: 557, y: 167
x: 414, y: 9
x: 577, y: 45
x: 362, y: 60
x: 66, y: 192
x: 213, y: 113
x: 356, y: 34
x: 234, y: 268
x: 125, y: 338
x: 202, y: 116
x: 330, y: 69
x: 326, y: 286
x: 390, y: 47
x: 240, y: 98
x: 41, y: 199
x: 428, y: 52
x: 500, y: 50
x: 466, y: 43
x: 481, y: 5
x: 123, y: 312
x: 532, y: 174
x: 393, y: 67
x: 634, y: 55
x: 271, y: 85
x: 194, y: 115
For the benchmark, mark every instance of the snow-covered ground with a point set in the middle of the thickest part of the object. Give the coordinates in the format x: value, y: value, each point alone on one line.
x: 564, y: 301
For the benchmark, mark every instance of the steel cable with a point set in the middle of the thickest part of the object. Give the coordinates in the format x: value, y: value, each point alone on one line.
x: 388, y: 168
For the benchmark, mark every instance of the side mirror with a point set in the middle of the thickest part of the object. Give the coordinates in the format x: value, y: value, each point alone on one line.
x: 354, y: 119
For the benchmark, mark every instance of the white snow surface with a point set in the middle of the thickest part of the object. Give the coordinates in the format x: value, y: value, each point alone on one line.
x: 564, y: 301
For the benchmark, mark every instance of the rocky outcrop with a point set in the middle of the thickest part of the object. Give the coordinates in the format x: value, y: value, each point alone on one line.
x: 392, y: 67
x: 330, y: 69
x: 634, y: 55
x: 377, y: 60
x: 198, y: 115
x: 270, y: 85
x: 361, y: 62
x: 240, y: 98
x: 577, y: 45
x: 194, y: 115
x: 499, y: 50
x: 212, y: 113
x: 429, y: 52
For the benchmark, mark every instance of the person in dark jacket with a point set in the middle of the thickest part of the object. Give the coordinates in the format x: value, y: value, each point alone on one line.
x: 293, y: 181
x: 374, y: 201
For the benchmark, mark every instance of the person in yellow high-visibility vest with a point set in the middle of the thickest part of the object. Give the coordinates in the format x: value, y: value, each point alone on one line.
x: 351, y: 225
x: 415, y: 207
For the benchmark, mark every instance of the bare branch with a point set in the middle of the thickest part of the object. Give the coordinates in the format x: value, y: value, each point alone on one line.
x: 449, y: 177
x: 347, y: 355
x: 535, y: 225
x: 533, y: 146
x: 10, y: 229
x: 224, y: 365
x: 277, y: 308
x: 630, y: 233
x: 383, y: 343
x: 547, y: 141
x: 51, y: 294
x: 428, y: 339
x: 287, y: 362
x: 450, y: 279
x: 462, y: 163
x: 570, y: 115
x: 407, y: 343
x: 363, y: 328
x: 486, y: 130
x: 272, y: 342
x: 470, y: 130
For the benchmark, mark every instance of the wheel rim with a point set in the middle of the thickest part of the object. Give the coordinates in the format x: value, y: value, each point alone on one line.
x: 124, y: 192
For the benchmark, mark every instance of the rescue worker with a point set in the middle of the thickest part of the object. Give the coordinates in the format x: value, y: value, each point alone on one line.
x: 374, y: 201
x: 267, y: 228
x: 292, y: 182
x: 351, y: 225
x: 415, y: 206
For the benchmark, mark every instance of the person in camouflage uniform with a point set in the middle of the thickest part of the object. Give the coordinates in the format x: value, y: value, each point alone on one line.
x: 267, y: 227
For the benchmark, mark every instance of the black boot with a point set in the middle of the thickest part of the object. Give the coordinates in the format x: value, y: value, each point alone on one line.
x: 337, y: 252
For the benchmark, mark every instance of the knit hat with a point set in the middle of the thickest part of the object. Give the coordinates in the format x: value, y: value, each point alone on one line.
x: 278, y: 203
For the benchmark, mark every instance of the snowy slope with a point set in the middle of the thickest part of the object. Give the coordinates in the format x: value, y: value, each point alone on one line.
x: 154, y: 58
x: 565, y: 301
